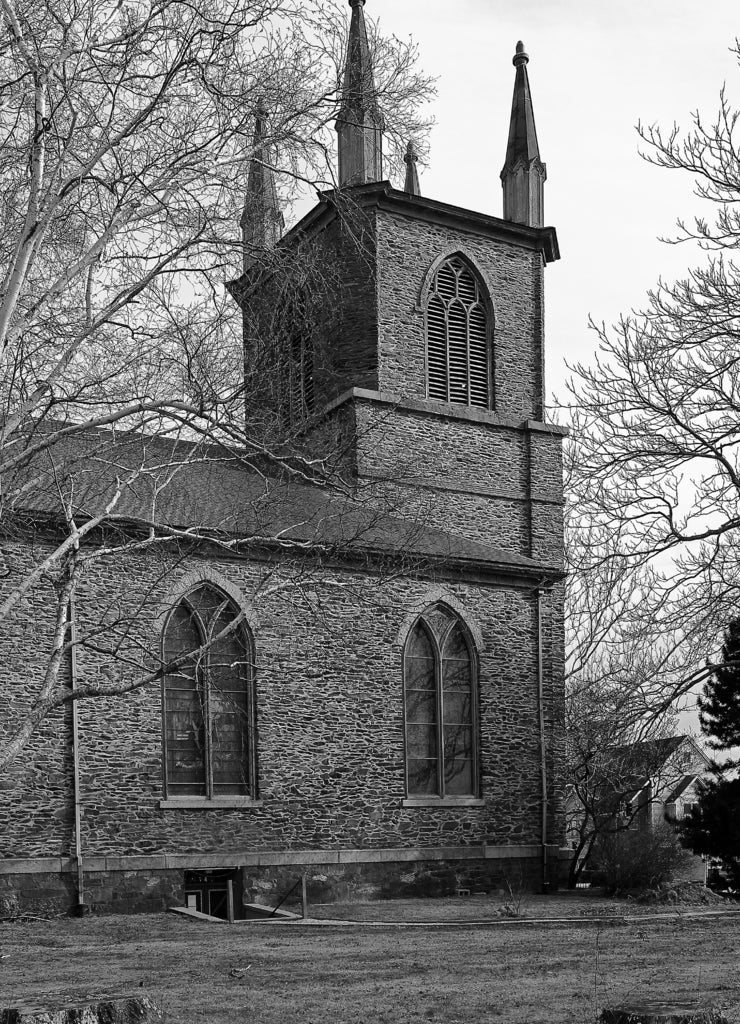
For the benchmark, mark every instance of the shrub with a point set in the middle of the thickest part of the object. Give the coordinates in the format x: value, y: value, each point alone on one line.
x: 633, y: 859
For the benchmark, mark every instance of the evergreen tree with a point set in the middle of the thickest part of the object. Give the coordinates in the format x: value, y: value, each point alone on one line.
x: 713, y: 827
x: 719, y: 708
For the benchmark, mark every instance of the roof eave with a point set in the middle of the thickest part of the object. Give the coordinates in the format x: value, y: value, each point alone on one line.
x: 384, y: 196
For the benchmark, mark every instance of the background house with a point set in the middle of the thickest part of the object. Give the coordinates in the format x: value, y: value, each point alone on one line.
x: 663, y: 783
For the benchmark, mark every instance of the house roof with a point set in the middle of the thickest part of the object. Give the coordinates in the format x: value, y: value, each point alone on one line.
x: 206, y: 490
x: 654, y: 752
x: 680, y: 788
x: 637, y: 764
x: 634, y: 764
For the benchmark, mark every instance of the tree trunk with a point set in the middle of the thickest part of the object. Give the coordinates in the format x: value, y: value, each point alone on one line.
x: 663, y: 1013
x: 123, y: 1010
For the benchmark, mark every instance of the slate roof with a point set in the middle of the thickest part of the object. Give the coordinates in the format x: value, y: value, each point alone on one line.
x: 652, y: 752
x: 680, y: 788
x: 216, y: 492
x: 634, y: 764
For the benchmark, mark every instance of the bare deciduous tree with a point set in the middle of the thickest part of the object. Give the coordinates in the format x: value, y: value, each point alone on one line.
x: 654, y: 478
x: 126, y: 132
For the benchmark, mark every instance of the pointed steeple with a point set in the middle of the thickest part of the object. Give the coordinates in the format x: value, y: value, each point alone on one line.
x: 412, y: 174
x: 359, y: 122
x: 523, y: 176
x: 261, y: 221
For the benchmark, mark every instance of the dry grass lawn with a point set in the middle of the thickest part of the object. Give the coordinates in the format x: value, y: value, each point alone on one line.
x: 462, y: 974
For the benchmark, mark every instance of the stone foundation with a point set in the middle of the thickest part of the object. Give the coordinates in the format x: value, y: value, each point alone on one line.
x: 152, y: 884
x: 332, y: 883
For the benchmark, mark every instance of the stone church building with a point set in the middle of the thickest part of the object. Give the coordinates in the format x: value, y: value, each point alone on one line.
x: 394, y: 726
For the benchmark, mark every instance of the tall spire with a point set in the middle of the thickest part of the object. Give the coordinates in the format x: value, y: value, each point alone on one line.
x: 523, y: 176
x: 261, y: 221
x: 359, y: 122
x: 412, y: 174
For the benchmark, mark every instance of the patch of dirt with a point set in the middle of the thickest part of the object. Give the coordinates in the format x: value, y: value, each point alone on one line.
x: 685, y: 894
x: 588, y: 903
x: 202, y: 973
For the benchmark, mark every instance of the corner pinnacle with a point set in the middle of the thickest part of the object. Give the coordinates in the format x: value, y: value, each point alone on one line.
x: 412, y: 175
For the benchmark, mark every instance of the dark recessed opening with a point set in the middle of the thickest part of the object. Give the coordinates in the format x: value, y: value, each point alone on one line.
x: 208, y: 892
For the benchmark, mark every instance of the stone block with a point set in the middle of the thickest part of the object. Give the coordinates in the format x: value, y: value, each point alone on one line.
x: 31, y: 865
x: 508, y: 852
x: 297, y: 857
x: 131, y: 863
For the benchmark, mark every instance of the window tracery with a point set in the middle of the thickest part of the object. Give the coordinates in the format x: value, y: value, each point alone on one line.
x: 458, y: 338
x: 440, y: 711
x: 209, y: 743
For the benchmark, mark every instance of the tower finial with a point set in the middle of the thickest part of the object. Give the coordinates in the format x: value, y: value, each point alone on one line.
x: 520, y: 57
x: 359, y: 122
x: 524, y: 174
x: 262, y: 221
x: 412, y: 175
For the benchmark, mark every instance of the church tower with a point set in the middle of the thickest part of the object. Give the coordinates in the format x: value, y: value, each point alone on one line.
x: 413, y: 358
x: 409, y: 310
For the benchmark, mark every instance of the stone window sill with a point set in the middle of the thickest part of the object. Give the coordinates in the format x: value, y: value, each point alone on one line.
x: 447, y: 801
x: 201, y: 803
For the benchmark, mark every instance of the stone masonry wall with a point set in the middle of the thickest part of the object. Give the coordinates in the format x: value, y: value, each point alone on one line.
x: 369, y: 267
x: 406, y: 250
x: 490, y: 481
x: 330, y: 719
x: 36, y: 791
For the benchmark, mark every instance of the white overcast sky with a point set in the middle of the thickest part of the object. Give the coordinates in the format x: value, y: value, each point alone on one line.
x: 595, y: 69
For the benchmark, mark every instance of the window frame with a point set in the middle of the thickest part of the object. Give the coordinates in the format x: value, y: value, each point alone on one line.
x: 211, y: 799
x: 429, y: 292
x: 441, y: 798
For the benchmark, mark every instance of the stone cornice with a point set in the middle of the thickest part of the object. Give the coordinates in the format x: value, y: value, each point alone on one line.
x: 444, y: 410
x: 382, y: 196
x: 242, y: 858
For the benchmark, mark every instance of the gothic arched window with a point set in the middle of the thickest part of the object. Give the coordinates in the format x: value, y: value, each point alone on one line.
x: 440, y: 687
x: 209, y: 742
x: 458, y: 338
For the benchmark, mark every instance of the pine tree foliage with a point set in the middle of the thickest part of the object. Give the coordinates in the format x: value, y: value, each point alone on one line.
x: 713, y: 827
x: 720, y: 706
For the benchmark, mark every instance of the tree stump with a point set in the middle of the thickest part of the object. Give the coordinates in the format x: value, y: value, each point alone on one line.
x: 118, y: 1010
x: 662, y: 1013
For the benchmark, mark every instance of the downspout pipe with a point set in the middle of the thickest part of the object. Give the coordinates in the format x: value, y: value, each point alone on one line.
x: 543, y: 741
x: 80, y: 908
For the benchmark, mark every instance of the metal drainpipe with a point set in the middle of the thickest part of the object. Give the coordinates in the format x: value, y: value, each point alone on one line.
x: 80, y: 907
x: 543, y: 742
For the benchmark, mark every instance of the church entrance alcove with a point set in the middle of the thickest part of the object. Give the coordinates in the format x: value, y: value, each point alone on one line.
x: 208, y: 892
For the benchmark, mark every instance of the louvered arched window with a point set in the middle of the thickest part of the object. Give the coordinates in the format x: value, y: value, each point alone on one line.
x: 209, y: 742
x: 458, y: 338
x: 300, y: 389
x: 440, y: 702
x: 299, y: 400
